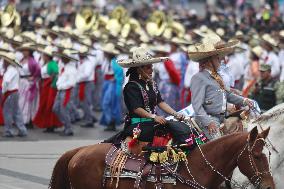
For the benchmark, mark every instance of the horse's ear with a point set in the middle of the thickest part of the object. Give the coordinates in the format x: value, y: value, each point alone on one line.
x: 253, y: 134
x: 265, y: 133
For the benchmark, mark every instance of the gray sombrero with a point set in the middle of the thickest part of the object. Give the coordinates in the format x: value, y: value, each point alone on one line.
x: 141, y: 57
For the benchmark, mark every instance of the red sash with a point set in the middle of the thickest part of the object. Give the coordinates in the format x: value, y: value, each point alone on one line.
x: 67, y: 96
x: 109, y: 77
x: 81, y: 94
x: 173, y: 72
x: 6, y: 94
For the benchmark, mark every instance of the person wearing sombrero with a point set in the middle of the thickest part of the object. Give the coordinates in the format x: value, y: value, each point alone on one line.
x: 65, y: 83
x: 29, y: 88
x: 270, y: 57
x: 10, y: 96
x: 180, y: 61
x: 112, y: 88
x: 209, y: 93
x: 49, y: 74
x: 169, y: 78
x: 142, y: 97
x: 86, y: 74
x: 252, y: 73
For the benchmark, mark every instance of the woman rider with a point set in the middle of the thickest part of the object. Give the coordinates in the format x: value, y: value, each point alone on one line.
x: 141, y: 96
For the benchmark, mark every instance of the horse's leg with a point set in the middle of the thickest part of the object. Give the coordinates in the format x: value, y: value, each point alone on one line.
x: 59, y: 178
x: 86, y: 168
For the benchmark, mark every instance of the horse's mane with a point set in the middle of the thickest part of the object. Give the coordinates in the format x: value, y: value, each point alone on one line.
x: 221, y: 140
x: 271, y: 115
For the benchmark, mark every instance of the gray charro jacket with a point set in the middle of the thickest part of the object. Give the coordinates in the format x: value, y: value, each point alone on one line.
x: 207, y: 98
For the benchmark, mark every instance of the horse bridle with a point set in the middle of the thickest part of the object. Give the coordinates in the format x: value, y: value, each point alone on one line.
x: 257, y: 174
x: 252, y: 163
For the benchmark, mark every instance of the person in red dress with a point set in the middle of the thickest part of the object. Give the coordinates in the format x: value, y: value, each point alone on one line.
x: 45, y: 117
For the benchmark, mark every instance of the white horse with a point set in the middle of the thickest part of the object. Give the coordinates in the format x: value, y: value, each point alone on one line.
x: 274, y: 118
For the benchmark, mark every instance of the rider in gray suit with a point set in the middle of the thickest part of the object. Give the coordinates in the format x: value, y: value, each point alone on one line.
x: 209, y: 94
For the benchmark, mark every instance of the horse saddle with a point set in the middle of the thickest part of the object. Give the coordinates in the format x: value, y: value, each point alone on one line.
x: 138, y: 168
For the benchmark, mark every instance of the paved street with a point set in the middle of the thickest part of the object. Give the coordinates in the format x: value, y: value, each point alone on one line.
x: 27, y: 163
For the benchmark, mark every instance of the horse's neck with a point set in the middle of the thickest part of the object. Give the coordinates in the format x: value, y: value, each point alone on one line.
x: 221, y: 153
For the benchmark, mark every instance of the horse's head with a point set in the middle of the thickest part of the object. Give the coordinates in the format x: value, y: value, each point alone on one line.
x: 253, y: 163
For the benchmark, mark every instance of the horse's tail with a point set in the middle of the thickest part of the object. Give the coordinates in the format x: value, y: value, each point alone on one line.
x: 59, y: 178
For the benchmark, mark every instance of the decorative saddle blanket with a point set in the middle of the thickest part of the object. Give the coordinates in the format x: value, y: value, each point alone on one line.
x: 137, y: 168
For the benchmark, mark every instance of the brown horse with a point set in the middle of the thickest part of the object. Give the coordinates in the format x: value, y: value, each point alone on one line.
x: 83, y: 168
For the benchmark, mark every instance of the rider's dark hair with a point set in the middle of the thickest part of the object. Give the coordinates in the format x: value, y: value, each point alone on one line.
x: 132, y: 73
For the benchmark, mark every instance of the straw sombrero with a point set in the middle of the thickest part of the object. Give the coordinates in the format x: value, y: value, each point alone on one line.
x: 141, y: 57
x: 257, y: 50
x: 84, y: 51
x: 10, y: 57
x: 16, y: 40
x: 29, y: 36
x: 66, y: 53
x: 48, y: 50
x: 161, y: 48
x: 109, y: 48
x: 5, y: 47
x: 27, y: 46
x: 55, y: 30
x: 65, y: 43
x: 211, y: 45
x: 266, y: 38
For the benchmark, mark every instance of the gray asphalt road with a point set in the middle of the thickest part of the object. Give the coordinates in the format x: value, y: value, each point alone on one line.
x: 27, y: 163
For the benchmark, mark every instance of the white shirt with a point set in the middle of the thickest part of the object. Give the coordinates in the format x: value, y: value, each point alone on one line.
x: 86, y: 70
x: 67, y: 78
x: 192, y: 69
x: 43, y: 72
x: 99, y: 57
x: 162, y: 71
x: 10, y: 79
x: 281, y: 59
x: 24, y: 71
x: 236, y: 65
x: 107, y: 67
x: 176, y: 59
x: 272, y: 59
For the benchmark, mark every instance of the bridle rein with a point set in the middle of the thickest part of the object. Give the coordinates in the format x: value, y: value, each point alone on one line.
x: 257, y: 173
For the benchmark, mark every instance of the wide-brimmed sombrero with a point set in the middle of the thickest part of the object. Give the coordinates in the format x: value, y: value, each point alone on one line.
x: 48, y: 50
x: 267, y: 39
x: 10, y: 57
x: 163, y: 48
x: 141, y: 57
x: 67, y: 53
x: 110, y: 48
x: 258, y: 51
x: 212, y: 45
x: 29, y: 36
x: 5, y: 47
x: 27, y: 46
x: 84, y: 51
x: 16, y: 40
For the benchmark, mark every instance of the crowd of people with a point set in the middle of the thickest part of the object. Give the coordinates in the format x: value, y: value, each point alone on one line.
x: 54, y: 63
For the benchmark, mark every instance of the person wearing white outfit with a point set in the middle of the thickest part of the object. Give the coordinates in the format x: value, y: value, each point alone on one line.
x: 65, y: 83
x: 10, y: 98
x: 86, y: 74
